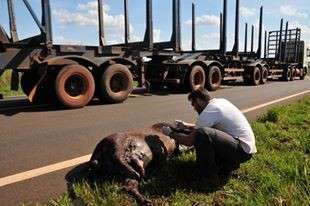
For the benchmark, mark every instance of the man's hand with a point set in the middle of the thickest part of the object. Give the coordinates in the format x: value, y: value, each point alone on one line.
x: 166, y: 130
x: 184, y: 125
x: 180, y: 124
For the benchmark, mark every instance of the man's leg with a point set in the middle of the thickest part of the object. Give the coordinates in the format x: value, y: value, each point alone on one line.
x: 205, y: 154
x: 228, y: 151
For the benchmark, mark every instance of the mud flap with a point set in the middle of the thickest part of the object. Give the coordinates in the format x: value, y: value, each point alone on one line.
x: 42, y: 73
x: 14, y: 80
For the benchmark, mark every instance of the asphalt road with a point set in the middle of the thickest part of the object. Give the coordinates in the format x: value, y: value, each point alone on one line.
x: 36, y: 136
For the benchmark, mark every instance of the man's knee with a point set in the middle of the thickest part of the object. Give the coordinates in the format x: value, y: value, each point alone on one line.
x: 202, y: 138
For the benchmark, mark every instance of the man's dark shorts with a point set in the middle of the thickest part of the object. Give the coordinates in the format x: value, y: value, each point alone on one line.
x: 218, y: 152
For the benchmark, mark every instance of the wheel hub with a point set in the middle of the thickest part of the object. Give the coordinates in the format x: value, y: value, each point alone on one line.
x: 118, y: 83
x: 198, y: 79
x: 75, y: 85
x: 215, y: 78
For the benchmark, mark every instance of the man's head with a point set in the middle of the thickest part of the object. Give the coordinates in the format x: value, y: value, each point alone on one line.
x: 199, y: 99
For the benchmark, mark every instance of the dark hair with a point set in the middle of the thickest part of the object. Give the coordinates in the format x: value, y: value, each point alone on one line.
x: 199, y: 93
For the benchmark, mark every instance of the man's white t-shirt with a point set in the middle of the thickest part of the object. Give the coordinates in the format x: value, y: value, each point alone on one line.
x: 222, y: 115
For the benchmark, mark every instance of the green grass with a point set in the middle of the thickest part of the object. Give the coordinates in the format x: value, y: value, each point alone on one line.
x: 277, y: 175
x: 5, y: 85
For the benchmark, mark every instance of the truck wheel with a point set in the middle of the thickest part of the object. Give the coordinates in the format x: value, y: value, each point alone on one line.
x: 156, y: 86
x: 264, y: 77
x: 74, y: 86
x: 293, y: 74
x: 214, y: 79
x: 255, y: 76
x: 303, y: 73
x: 197, y: 77
x: 116, y: 83
x: 287, y: 73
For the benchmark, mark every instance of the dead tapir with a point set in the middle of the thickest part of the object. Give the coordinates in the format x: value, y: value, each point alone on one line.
x: 129, y: 154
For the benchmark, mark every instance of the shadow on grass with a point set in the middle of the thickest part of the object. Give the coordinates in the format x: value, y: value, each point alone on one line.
x: 161, y: 181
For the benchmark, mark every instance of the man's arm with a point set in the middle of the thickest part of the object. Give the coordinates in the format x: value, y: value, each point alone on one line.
x: 179, y: 137
x: 184, y: 139
x: 189, y: 125
x: 184, y: 125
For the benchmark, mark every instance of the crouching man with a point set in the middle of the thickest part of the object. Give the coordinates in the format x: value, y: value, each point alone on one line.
x: 222, y: 136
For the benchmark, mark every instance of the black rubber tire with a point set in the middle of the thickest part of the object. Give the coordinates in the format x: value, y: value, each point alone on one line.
x: 214, y: 78
x: 196, y: 78
x: 246, y: 77
x: 264, y: 75
x: 116, y: 84
x: 286, y: 75
x: 303, y: 74
x: 293, y: 71
x: 155, y: 86
x: 74, y: 86
x: 255, y: 76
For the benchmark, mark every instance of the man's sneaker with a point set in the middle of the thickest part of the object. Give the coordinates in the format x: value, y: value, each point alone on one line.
x: 183, y: 148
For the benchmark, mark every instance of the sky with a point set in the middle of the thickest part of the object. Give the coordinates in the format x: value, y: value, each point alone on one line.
x: 75, y: 21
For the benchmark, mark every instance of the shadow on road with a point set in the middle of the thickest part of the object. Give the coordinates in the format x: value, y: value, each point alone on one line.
x: 11, y: 107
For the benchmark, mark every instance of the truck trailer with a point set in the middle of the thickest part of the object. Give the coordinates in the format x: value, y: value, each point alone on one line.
x: 71, y: 74
x: 75, y: 74
x: 286, y: 54
x: 209, y: 68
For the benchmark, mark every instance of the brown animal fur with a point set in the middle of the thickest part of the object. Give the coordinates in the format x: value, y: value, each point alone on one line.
x: 130, y: 153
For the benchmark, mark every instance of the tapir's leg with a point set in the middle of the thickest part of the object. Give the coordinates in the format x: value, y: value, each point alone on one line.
x: 132, y: 187
x: 126, y: 168
x: 138, y: 165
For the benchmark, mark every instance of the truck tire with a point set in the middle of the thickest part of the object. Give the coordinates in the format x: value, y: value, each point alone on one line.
x: 293, y: 71
x: 214, y: 78
x: 264, y: 75
x: 303, y: 73
x: 116, y: 84
x: 197, y: 78
x: 255, y: 76
x: 74, y: 86
x: 287, y: 74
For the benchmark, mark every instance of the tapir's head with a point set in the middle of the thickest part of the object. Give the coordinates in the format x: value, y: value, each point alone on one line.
x: 126, y: 154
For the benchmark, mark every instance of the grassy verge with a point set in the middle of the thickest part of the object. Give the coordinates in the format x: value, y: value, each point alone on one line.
x: 5, y: 85
x: 277, y: 175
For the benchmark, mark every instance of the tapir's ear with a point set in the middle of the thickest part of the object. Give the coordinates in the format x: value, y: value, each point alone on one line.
x: 94, y: 164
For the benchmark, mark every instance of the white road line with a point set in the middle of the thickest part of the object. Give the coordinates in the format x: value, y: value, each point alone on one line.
x: 42, y: 170
x: 73, y: 162
x: 273, y: 102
